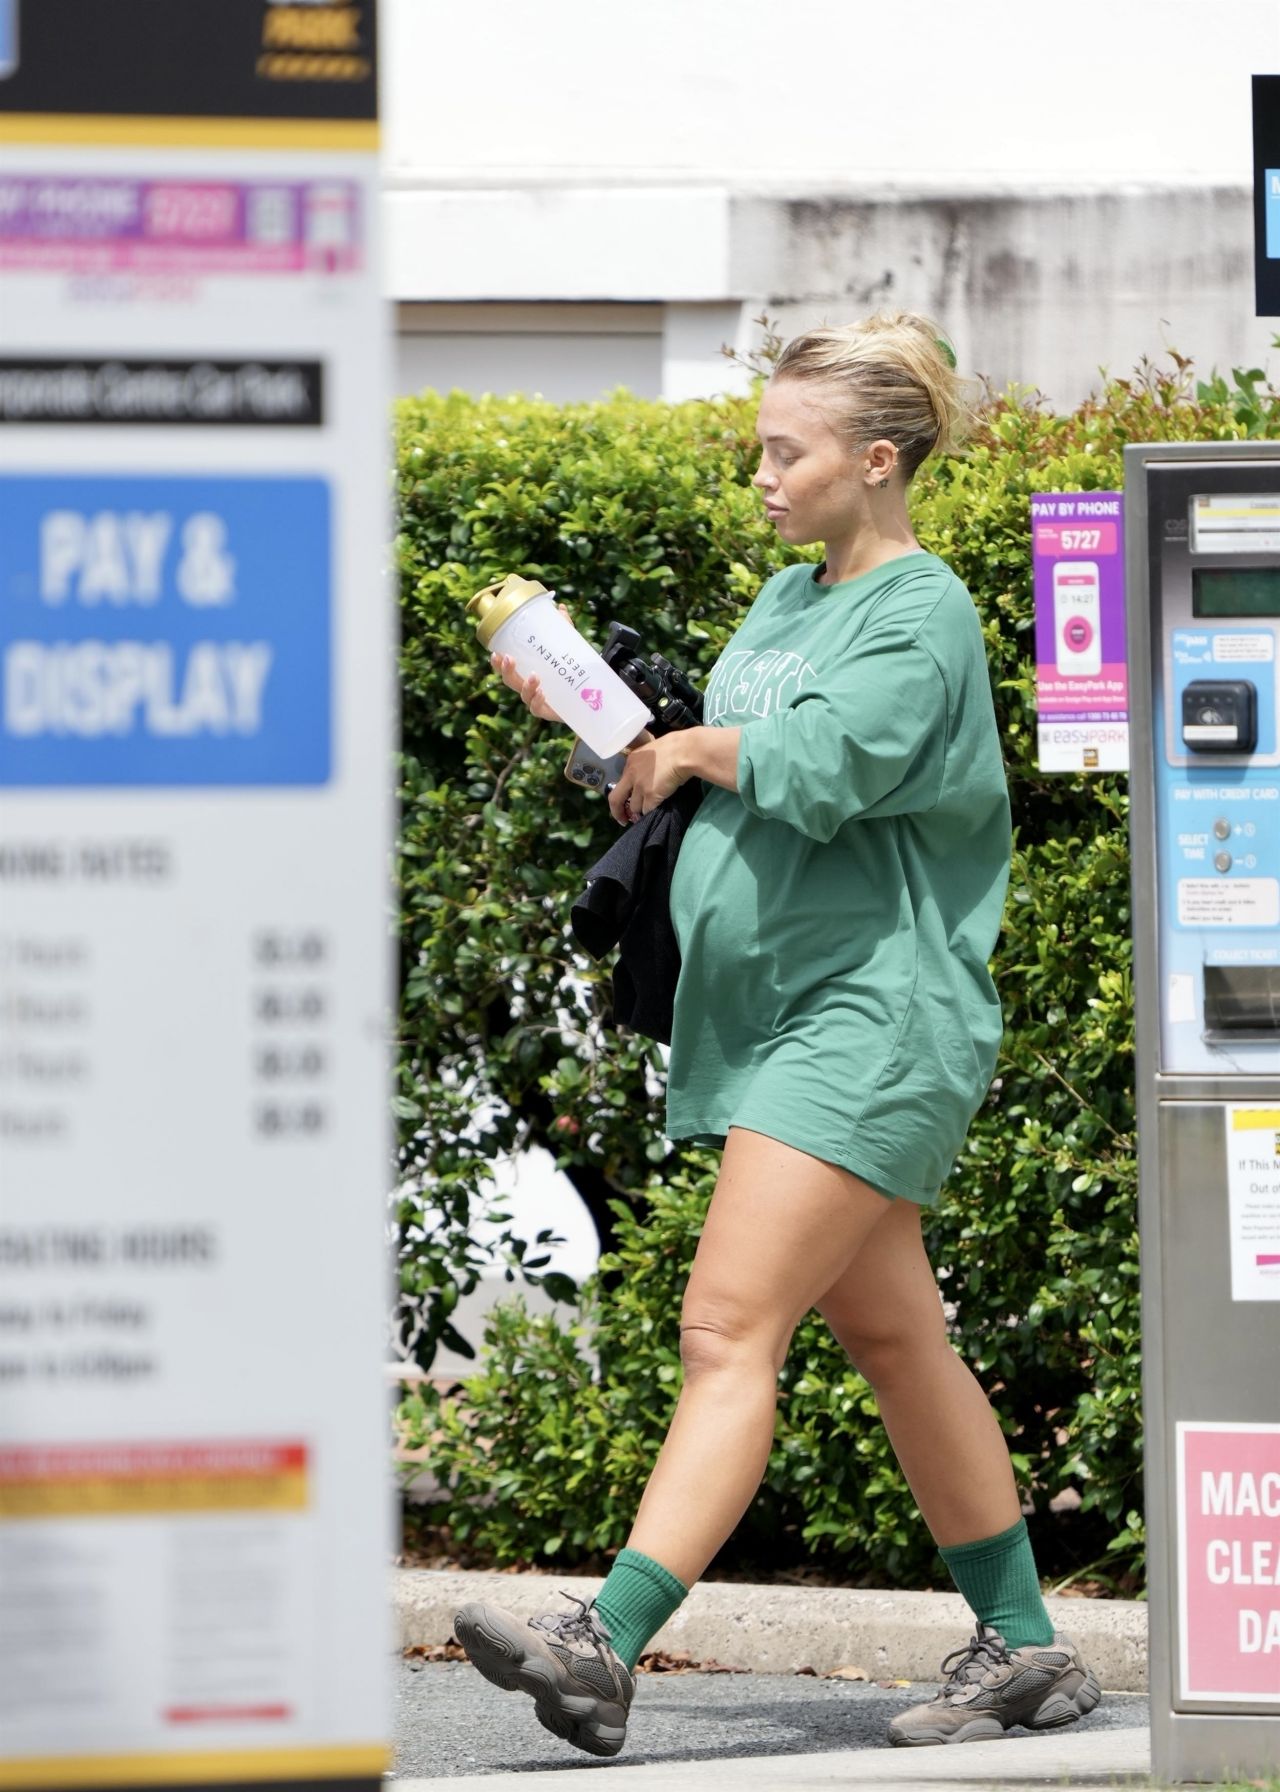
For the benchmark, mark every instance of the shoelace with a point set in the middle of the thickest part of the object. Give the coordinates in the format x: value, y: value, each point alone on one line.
x: 585, y: 1624
x: 985, y: 1649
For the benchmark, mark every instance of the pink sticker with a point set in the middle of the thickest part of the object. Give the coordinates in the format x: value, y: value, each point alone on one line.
x: 1229, y: 1561
x: 97, y: 224
x: 593, y: 697
x: 1090, y: 538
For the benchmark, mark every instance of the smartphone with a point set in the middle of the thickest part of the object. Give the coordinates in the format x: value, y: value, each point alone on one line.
x: 585, y: 768
x: 1077, y: 618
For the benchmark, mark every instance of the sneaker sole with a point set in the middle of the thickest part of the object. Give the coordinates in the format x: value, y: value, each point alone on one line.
x: 496, y: 1649
x: 1056, y: 1711
x: 1062, y: 1708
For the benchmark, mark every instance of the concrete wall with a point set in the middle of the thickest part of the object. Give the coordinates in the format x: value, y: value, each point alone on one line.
x: 1062, y: 190
x: 563, y: 352
x: 740, y: 90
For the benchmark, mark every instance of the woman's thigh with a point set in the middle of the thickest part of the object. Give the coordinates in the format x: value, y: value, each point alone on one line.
x: 782, y: 1226
x: 885, y: 1304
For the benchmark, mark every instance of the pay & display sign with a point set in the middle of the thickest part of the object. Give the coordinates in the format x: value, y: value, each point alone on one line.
x: 196, y: 662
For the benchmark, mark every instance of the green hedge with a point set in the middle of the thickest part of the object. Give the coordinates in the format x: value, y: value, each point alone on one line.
x: 643, y: 511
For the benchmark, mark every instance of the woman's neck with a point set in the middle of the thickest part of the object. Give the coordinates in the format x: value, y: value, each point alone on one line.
x: 868, y: 546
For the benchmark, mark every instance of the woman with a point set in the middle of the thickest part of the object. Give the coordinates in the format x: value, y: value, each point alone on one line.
x: 836, y: 900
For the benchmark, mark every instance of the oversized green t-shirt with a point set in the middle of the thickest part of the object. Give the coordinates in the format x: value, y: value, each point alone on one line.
x: 836, y: 913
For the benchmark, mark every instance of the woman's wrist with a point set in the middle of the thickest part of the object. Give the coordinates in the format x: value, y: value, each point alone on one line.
x: 710, y: 753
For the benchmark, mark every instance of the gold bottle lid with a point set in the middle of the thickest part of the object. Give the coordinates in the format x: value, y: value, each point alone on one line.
x: 496, y: 603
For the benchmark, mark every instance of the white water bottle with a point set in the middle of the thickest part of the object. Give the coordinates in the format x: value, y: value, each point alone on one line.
x: 519, y: 617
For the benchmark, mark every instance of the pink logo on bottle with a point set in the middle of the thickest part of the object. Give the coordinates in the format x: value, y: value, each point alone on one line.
x: 593, y: 697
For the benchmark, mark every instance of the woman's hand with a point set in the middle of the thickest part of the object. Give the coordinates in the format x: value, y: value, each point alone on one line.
x: 654, y: 771
x: 530, y: 688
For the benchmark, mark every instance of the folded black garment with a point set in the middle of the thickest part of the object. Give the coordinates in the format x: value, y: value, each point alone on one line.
x: 625, y: 904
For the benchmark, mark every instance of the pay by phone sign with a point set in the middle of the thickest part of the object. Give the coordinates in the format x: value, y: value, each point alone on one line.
x: 1082, y: 685
x: 1229, y: 1562
x: 164, y: 631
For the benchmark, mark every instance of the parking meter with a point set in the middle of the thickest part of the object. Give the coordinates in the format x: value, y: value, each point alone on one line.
x: 1202, y: 523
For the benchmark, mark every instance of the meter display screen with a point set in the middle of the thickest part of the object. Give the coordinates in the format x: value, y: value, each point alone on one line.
x: 1235, y: 591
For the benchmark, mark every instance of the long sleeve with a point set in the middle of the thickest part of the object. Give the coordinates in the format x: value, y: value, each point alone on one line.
x: 868, y: 740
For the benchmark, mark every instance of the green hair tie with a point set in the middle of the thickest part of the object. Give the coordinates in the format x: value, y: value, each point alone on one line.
x: 948, y: 353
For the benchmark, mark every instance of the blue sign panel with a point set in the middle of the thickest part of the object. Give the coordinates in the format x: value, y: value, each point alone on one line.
x: 1273, y: 213
x: 164, y: 631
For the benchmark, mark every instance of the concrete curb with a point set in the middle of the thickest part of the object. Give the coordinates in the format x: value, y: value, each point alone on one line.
x: 775, y: 1630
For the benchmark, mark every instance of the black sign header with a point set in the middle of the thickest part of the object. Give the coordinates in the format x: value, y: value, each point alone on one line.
x: 298, y: 59
x: 72, y: 390
x: 1266, y: 194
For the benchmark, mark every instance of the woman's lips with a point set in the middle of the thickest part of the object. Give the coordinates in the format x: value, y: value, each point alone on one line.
x: 773, y: 510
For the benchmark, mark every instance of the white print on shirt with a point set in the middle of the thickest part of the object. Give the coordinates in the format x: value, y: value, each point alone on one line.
x: 754, y: 684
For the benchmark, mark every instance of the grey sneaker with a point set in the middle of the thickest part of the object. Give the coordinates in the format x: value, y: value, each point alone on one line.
x: 990, y: 1688
x: 581, y: 1690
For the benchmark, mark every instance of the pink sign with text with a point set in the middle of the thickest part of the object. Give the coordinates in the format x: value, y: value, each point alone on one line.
x: 1229, y: 1561
x: 1082, y: 674
x: 98, y: 224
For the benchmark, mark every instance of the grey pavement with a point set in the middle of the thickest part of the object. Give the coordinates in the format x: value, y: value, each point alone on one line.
x: 743, y: 1730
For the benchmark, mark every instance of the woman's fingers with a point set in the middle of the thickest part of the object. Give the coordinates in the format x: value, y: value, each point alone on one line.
x: 503, y: 664
x: 533, y: 697
x: 530, y: 689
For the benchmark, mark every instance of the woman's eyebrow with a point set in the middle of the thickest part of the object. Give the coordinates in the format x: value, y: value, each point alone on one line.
x: 794, y: 441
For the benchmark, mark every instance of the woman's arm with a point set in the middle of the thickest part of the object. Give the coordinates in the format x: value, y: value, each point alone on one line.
x: 710, y: 753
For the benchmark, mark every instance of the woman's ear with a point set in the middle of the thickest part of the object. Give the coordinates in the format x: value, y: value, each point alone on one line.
x: 879, y: 459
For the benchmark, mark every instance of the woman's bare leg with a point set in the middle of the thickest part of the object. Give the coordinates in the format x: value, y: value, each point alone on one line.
x: 781, y: 1226
x: 886, y: 1311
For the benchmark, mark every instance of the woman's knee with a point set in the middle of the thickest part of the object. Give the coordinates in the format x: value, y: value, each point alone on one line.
x: 713, y: 1340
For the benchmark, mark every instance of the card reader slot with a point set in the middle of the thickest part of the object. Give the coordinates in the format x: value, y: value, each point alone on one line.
x: 1241, y: 999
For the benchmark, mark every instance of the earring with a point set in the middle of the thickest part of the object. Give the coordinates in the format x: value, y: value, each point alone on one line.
x: 881, y: 483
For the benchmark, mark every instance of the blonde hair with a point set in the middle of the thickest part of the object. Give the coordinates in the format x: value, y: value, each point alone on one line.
x: 893, y: 376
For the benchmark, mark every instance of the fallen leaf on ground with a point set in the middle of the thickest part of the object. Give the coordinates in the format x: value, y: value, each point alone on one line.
x: 676, y: 1662
x: 450, y: 1651
x: 812, y: 1671
x: 663, y: 1661
x: 888, y: 1684
x: 846, y: 1674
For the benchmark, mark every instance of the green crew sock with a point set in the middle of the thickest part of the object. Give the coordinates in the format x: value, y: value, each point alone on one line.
x: 637, y: 1598
x: 997, y: 1575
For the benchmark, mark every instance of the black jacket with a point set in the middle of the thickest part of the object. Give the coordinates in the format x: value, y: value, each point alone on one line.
x: 625, y: 905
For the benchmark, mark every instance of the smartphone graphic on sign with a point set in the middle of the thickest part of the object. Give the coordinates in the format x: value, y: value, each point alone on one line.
x: 1077, y: 618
